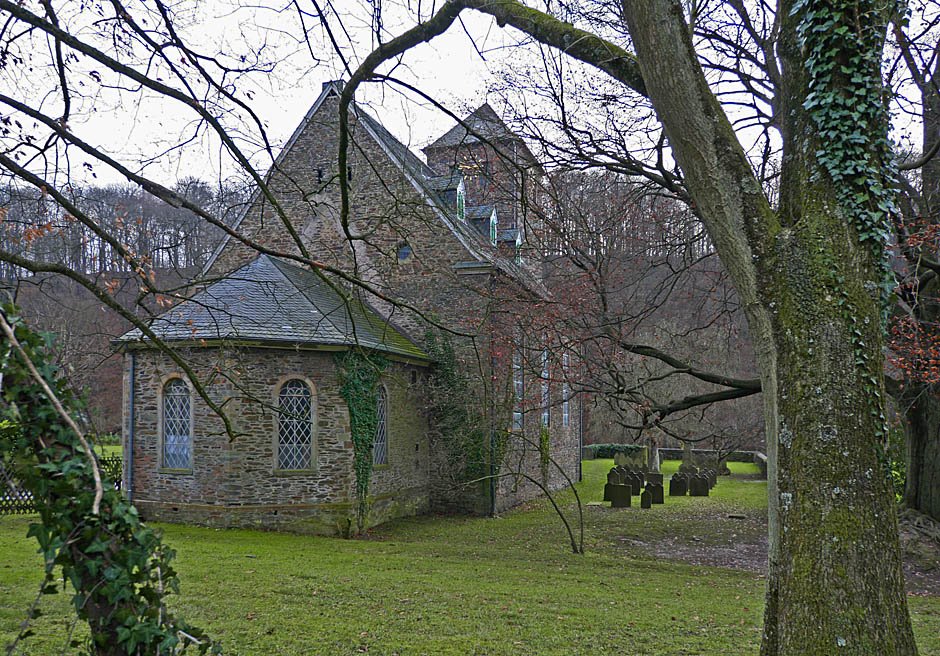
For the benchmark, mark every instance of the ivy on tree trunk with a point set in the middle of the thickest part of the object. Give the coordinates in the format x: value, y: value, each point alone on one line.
x: 119, y: 569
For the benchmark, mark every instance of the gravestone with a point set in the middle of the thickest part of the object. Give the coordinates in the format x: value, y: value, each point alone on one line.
x: 636, y: 480
x: 620, y: 496
x: 646, y: 499
x: 678, y: 485
x: 614, y: 477
x: 654, y: 477
x: 712, y: 478
x: 656, y: 491
x: 621, y: 459
x: 698, y: 486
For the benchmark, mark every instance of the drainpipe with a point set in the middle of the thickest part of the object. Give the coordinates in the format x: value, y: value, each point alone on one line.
x: 580, y: 434
x: 492, y: 481
x: 131, y: 416
x: 492, y: 477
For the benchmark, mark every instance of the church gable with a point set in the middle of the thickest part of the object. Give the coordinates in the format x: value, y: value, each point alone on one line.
x: 392, y: 204
x: 264, y: 332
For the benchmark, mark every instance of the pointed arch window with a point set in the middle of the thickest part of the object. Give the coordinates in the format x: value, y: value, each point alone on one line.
x: 461, y: 202
x: 177, y: 425
x: 518, y: 389
x: 295, y: 425
x: 380, y: 443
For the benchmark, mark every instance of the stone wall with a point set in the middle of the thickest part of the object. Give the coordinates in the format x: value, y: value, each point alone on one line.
x: 236, y: 482
x: 524, y: 454
x: 388, y: 211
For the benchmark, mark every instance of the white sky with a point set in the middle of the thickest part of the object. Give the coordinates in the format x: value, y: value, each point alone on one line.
x: 138, y: 128
x: 133, y: 126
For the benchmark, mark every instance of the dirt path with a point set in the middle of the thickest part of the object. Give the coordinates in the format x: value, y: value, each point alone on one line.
x: 740, y: 542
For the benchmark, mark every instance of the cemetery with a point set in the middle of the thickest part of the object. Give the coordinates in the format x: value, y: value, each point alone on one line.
x: 459, y: 585
x: 625, y: 482
x: 470, y: 327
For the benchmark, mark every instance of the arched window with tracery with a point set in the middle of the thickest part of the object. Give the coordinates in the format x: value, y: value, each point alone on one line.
x: 380, y: 444
x: 177, y: 425
x: 295, y: 425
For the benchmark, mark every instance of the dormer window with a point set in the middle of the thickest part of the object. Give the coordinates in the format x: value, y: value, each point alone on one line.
x: 451, y: 191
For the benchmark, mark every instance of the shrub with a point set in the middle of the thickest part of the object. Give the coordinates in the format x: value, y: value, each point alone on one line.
x: 609, y: 450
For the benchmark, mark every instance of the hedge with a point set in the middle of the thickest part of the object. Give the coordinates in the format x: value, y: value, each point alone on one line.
x: 608, y: 450
x: 676, y: 454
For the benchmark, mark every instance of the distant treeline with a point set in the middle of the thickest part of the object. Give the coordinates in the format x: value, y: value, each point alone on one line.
x: 33, y: 226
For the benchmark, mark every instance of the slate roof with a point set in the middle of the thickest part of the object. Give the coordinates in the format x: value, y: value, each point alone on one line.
x: 483, y: 121
x: 445, y: 182
x: 477, y: 244
x: 479, y: 212
x: 507, y: 234
x: 271, y: 301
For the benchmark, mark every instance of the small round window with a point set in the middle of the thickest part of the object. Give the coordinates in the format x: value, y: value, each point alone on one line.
x: 404, y: 252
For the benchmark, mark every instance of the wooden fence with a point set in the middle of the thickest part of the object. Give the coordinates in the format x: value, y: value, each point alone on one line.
x: 14, y: 500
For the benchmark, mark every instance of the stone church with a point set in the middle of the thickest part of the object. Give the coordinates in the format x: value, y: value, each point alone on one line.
x: 443, y: 251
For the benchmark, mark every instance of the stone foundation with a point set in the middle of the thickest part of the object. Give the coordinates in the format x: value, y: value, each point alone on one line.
x: 338, y: 518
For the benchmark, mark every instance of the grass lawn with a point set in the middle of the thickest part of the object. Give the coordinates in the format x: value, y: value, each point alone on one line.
x: 109, y: 450
x: 458, y: 585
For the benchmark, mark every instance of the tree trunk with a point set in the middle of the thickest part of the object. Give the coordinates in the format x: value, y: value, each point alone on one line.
x: 835, y: 578
x: 836, y: 575
x: 688, y: 461
x: 652, y: 458
x: 810, y: 288
x: 922, y: 488
x: 922, y: 406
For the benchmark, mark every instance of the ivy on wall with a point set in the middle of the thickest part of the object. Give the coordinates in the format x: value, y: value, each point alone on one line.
x: 545, y: 454
x: 119, y: 569
x: 359, y: 374
x: 458, y: 416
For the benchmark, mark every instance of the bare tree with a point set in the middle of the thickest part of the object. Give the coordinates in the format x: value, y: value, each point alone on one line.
x: 806, y: 254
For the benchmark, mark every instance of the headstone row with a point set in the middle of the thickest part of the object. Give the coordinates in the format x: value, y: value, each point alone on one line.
x: 624, y: 482
x: 695, y: 484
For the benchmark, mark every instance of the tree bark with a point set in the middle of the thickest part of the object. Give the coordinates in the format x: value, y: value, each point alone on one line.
x: 922, y: 403
x: 809, y: 285
x: 922, y: 487
x: 835, y: 582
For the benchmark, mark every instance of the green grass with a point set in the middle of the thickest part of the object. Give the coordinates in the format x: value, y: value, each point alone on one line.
x: 109, y: 449
x: 459, y: 585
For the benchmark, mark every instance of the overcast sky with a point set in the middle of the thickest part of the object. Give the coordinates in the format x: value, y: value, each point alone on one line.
x: 144, y: 131
x: 136, y: 127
